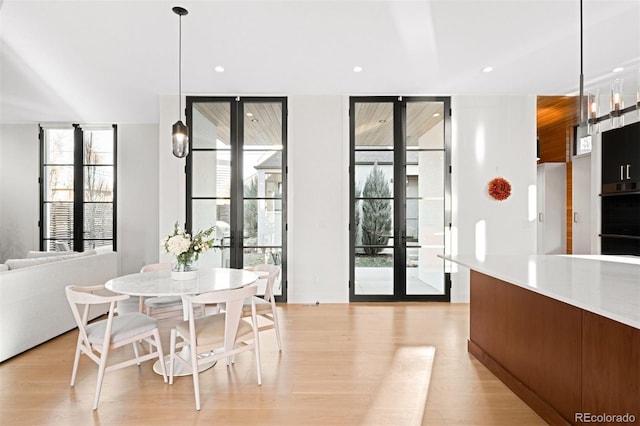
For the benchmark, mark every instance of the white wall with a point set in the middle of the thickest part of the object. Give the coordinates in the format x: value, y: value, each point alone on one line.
x: 172, y: 177
x: 492, y: 136
x: 138, y: 181
x: 19, y: 190
x: 318, y: 155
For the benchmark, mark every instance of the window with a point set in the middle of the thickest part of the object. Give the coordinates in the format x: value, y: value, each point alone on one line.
x: 77, y: 187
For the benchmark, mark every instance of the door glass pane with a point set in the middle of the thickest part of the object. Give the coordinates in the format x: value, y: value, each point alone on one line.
x: 207, y: 213
x: 425, y: 125
x: 374, y: 125
x: 58, y: 146
x: 211, y: 173
x: 58, y: 184
x: 262, y: 125
x: 425, y: 173
x: 262, y: 174
x: 98, y: 183
x: 58, y: 224
x: 98, y: 146
x: 211, y: 126
x: 262, y: 181
x: 374, y: 246
x: 98, y: 221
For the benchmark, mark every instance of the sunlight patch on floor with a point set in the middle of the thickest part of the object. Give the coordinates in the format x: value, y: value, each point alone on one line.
x: 402, y: 395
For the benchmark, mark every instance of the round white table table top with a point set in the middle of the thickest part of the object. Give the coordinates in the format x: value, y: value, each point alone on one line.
x: 159, y: 283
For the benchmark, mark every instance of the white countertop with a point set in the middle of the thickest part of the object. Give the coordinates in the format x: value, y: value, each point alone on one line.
x: 605, y: 285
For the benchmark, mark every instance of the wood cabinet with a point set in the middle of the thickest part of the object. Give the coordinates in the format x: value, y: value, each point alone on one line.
x: 560, y: 359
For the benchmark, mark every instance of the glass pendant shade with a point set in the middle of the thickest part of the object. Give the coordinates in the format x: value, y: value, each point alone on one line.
x: 180, y: 139
x: 638, y: 94
x: 592, y: 120
x: 616, y: 104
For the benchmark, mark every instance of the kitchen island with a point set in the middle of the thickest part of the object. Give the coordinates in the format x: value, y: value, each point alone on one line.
x: 563, y: 332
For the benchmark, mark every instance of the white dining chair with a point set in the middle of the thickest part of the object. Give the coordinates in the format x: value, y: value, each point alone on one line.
x: 219, y: 335
x: 98, y: 339
x: 160, y: 306
x: 266, y: 307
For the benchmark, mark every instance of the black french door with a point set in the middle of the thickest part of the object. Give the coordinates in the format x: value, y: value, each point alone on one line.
x: 399, y: 192
x: 236, y: 178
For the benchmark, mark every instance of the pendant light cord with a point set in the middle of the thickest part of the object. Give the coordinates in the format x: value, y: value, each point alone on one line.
x: 180, y: 68
x: 580, y: 100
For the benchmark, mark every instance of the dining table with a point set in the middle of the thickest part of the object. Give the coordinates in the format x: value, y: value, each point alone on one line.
x: 160, y: 283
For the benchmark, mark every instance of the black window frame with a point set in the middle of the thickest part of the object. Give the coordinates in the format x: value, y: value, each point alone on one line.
x: 78, y: 188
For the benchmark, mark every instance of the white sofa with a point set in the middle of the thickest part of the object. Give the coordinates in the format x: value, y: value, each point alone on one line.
x: 33, y: 305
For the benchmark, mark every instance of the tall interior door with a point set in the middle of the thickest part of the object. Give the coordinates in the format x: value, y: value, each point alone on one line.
x: 399, y: 192
x: 236, y: 179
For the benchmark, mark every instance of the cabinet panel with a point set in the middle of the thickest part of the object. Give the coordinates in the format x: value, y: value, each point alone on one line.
x: 621, y: 159
x: 613, y: 142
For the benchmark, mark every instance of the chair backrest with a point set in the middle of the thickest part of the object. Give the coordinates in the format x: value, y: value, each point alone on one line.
x: 155, y: 267
x: 81, y: 299
x: 233, y: 300
x: 273, y: 279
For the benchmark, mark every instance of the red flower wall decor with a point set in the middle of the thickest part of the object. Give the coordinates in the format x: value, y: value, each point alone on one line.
x: 499, y: 188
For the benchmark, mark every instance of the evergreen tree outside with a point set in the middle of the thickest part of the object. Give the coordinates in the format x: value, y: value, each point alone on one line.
x: 376, y: 212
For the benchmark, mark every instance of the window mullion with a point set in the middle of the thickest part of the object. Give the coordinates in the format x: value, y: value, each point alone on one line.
x: 78, y: 189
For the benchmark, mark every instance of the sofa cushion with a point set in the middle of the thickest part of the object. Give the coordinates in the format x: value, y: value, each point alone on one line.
x: 25, y: 263
x: 3, y: 267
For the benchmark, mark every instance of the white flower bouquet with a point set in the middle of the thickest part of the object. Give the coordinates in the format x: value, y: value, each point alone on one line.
x: 186, y: 248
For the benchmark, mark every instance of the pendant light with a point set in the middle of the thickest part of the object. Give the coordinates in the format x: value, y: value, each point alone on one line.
x: 180, y: 132
x: 581, y: 107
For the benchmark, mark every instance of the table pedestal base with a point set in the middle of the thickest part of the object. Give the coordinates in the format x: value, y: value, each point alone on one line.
x: 181, y: 369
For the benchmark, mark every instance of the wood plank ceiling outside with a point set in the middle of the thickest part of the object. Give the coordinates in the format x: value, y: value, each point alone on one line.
x: 374, y: 122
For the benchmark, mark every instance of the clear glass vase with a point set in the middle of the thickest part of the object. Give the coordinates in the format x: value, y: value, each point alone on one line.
x: 184, y: 269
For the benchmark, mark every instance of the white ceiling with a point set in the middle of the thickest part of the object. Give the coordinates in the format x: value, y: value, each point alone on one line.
x: 107, y: 61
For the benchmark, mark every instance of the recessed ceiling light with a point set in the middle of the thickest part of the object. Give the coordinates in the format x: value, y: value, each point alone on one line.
x: 219, y: 69
x: 487, y: 69
x: 254, y: 120
x: 618, y: 69
x: 249, y: 114
x: 357, y: 69
x: 436, y: 114
x: 382, y: 121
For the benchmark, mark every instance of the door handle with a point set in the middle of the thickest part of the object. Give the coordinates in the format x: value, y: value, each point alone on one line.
x: 621, y: 172
x: 628, y: 170
x: 540, y: 217
x: 575, y: 217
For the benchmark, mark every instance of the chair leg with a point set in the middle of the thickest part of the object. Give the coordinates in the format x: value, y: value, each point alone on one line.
x: 156, y: 337
x: 172, y: 355
x: 256, y: 349
x: 76, y: 362
x: 276, y: 326
x: 101, y: 368
x: 135, y: 352
x: 195, y: 374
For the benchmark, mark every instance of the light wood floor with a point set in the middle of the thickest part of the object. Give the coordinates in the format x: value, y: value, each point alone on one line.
x: 342, y: 364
